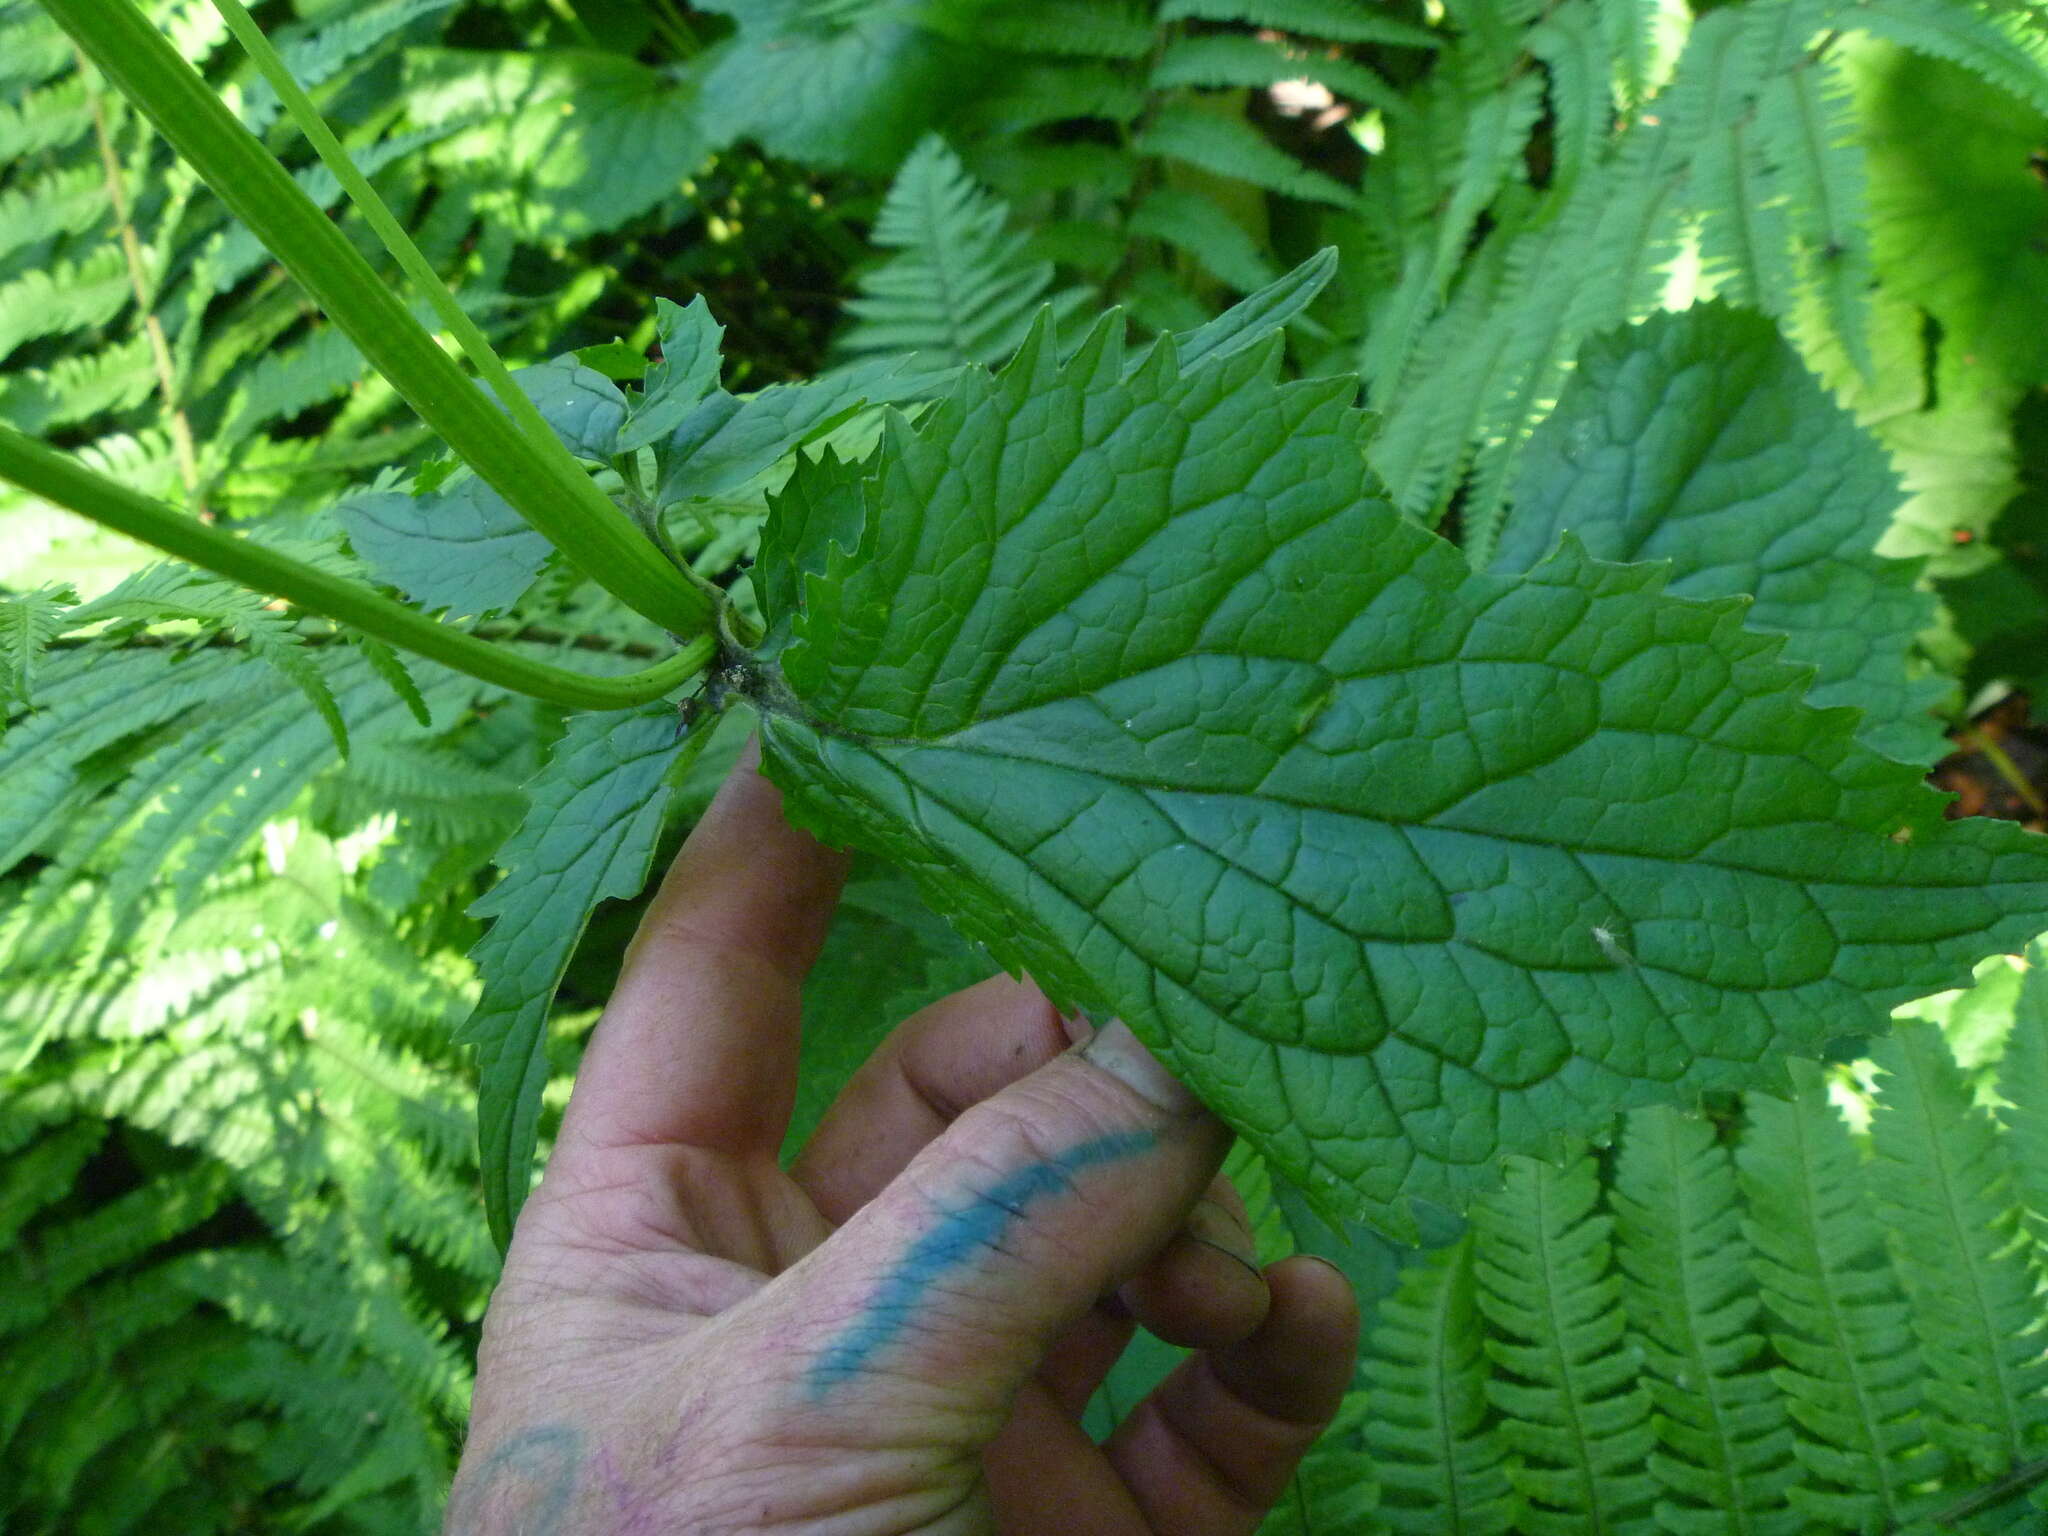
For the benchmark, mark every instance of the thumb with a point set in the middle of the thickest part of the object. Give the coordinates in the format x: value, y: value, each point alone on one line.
x: 954, y: 1281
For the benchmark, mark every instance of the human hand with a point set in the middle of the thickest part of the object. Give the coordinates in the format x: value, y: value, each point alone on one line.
x: 900, y: 1332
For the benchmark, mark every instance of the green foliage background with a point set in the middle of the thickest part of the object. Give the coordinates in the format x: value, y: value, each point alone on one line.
x: 246, y: 1255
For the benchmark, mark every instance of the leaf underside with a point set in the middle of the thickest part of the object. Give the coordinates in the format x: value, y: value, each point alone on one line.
x: 589, y: 835
x: 1401, y: 865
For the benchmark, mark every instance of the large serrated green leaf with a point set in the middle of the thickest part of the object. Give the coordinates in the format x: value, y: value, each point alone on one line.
x: 1701, y: 439
x: 588, y: 836
x: 1403, y: 866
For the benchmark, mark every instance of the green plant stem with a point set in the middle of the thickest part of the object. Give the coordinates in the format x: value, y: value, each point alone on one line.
x: 377, y: 214
x: 541, y: 479
x: 63, y: 481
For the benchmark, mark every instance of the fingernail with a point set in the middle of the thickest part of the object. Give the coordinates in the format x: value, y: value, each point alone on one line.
x: 1119, y: 1053
x: 1213, y: 1227
x: 1330, y: 1264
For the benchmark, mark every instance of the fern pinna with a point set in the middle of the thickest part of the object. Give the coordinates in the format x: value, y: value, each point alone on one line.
x: 1705, y: 1328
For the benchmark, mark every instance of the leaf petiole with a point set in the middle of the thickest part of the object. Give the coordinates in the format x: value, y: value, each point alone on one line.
x: 66, y: 483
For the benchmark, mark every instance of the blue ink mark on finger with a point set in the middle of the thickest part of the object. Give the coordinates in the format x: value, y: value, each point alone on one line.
x: 959, y: 1237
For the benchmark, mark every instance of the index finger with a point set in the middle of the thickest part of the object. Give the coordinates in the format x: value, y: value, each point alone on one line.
x: 698, y: 1045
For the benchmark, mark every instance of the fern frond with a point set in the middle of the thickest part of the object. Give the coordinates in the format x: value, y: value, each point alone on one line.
x: 1803, y: 127
x: 64, y: 202
x: 31, y: 1180
x: 45, y: 758
x: 1227, y: 61
x: 1496, y: 134
x: 344, y: 1439
x: 1644, y: 39
x: 177, y: 592
x: 28, y: 623
x: 1223, y: 61
x: 1037, y: 94
x: 1338, y: 20
x: 431, y: 792
x: 53, y: 117
x: 1724, y: 1439
x: 1577, y: 56
x: 326, y: 54
x: 32, y: 49
x: 1441, y: 1463
x: 1851, y: 1370
x: 37, y: 1276
x: 2023, y: 1085
x: 107, y: 1318
x: 1946, y: 1195
x: 1194, y: 225
x: 1746, y: 244
x: 2007, y: 48
x: 68, y: 296
x: 961, y: 288
x: 283, y: 383
x: 77, y: 388
x: 1567, y: 1391
x: 1101, y: 29
x: 285, y: 1296
x: 1230, y: 148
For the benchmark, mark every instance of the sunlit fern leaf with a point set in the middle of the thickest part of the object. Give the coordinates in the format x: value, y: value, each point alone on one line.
x: 1839, y: 1322
x: 1496, y: 135
x: 1945, y: 1193
x: 2023, y: 1085
x: 431, y: 791
x: 52, y: 117
x: 32, y: 48
x: 1439, y: 1455
x: 318, y: 56
x: 1643, y: 37
x: 2005, y: 46
x: 1572, y: 1407
x: 90, y: 702
x: 29, y: 621
x: 961, y: 287
x: 1578, y: 58
x: 1804, y: 130
x: 178, y: 593
x: 1724, y: 1453
x: 1746, y: 245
